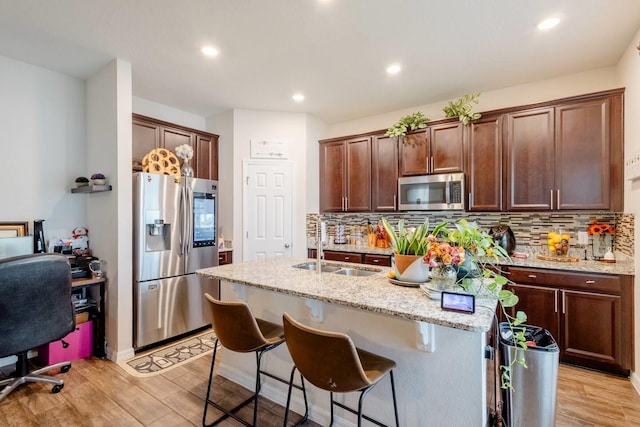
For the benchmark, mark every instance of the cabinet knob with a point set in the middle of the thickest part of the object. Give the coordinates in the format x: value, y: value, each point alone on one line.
x: 590, y: 282
x: 532, y: 276
x: 375, y: 261
x: 347, y: 257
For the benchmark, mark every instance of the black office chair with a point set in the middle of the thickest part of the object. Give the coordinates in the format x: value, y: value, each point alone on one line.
x: 35, y: 309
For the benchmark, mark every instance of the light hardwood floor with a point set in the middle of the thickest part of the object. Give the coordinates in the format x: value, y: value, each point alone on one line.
x: 100, y: 393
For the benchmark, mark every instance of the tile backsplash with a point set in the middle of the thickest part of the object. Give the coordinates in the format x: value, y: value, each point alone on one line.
x: 529, y: 228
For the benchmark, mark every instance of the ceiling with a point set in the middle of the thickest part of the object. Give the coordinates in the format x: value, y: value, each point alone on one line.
x: 333, y: 51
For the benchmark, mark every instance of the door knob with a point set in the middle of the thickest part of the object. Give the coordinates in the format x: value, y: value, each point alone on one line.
x: 286, y: 245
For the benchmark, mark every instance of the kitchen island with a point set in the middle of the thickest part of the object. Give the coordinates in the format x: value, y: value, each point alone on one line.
x: 441, y: 378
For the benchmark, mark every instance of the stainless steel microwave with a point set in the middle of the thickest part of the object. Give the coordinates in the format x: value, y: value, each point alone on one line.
x: 431, y: 192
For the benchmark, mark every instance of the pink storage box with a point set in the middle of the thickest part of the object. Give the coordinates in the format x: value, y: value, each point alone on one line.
x: 80, y: 345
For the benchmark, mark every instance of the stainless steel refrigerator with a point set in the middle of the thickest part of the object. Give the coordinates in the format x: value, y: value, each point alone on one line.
x: 175, y: 233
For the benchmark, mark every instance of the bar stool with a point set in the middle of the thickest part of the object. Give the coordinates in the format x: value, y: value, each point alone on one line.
x: 238, y: 330
x: 331, y: 362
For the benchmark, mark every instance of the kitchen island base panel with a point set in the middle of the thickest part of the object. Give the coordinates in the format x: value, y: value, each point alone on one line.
x: 444, y: 387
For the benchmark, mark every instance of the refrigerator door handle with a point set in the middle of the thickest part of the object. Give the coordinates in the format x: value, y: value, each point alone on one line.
x: 181, y: 213
x: 189, y: 219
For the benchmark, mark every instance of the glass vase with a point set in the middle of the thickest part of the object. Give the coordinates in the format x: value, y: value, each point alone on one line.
x: 443, y: 278
x: 186, y: 169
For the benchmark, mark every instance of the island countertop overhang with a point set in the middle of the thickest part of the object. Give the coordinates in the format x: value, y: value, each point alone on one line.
x: 372, y: 293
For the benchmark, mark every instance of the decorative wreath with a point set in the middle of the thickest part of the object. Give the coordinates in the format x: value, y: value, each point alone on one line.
x: 600, y: 228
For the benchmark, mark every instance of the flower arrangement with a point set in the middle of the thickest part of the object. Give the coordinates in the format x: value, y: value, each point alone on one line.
x: 442, y: 255
x: 184, y: 151
x: 600, y: 228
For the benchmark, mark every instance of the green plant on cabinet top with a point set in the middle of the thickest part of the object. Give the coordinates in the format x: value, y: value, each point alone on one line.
x: 407, y: 124
x: 462, y: 108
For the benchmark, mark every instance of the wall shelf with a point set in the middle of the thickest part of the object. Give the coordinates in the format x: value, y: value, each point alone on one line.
x: 91, y: 189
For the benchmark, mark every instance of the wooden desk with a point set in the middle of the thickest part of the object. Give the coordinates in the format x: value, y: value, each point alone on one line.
x: 90, y: 285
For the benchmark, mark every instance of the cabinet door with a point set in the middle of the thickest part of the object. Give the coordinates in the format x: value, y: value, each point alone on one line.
x: 384, y: 173
x: 332, y: 176
x: 145, y: 137
x: 414, y: 153
x: 582, y: 155
x: 170, y: 138
x: 484, y: 164
x: 358, y: 175
x: 206, y: 157
x: 446, y: 147
x: 540, y: 304
x: 530, y: 159
x: 591, y: 329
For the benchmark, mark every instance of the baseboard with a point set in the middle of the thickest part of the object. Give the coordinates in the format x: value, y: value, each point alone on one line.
x: 279, y: 396
x: 120, y: 356
x: 635, y: 381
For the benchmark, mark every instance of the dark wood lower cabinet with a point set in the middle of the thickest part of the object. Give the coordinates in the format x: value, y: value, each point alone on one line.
x: 360, y: 258
x: 225, y: 257
x: 589, y: 315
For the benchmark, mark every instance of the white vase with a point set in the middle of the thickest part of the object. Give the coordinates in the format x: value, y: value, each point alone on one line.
x: 417, y: 271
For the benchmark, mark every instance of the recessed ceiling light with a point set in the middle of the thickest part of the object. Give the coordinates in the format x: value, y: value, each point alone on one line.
x: 298, y: 97
x: 548, y: 24
x: 393, y: 69
x: 210, y: 51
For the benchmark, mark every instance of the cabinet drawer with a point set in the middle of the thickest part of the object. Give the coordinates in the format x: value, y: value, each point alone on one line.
x: 225, y: 258
x: 343, y: 256
x: 381, y: 260
x: 568, y: 280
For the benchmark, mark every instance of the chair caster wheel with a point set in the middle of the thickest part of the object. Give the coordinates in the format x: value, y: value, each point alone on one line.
x: 65, y: 368
x: 56, y: 388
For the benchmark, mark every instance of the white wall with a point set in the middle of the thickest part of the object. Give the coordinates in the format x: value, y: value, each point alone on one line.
x: 629, y: 69
x: 289, y: 127
x: 168, y: 114
x: 545, y: 90
x: 42, y: 147
x: 109, y: 214
x: 222, y: 125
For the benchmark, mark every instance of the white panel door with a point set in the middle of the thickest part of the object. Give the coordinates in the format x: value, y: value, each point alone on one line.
x: 268, y: 209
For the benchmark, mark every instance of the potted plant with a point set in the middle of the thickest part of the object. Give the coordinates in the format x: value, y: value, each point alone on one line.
x: 483, y: 254
x: 462, y: 108
x: 409, y: 246
x: 407, y: 124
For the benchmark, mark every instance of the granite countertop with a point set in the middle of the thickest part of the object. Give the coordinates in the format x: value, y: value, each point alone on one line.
x: 624, y: 265
x: 372, y: 293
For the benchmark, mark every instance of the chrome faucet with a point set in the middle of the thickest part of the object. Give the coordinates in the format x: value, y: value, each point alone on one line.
x: 319, y: 253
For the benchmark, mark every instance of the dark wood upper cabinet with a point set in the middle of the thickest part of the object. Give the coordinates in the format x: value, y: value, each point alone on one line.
x: 415, y: 156
x: 384, y: 173
x: 145, y: 137
x: 345, y: 171
x: 447, y: 148
x: 483, y: 155
x: 435, y: 149
x: 205, y: 156
x: 583, y: 157
x: 149, y: 133
x: 566, y: 154
x: 530, y: 159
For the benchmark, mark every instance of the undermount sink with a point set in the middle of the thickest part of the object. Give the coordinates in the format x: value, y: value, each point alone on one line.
x: 312, y: 266
x: 355, y: 272
x: 345, y: 271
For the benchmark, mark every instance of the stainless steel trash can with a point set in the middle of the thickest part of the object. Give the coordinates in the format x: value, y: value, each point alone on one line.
x: 532, y: 402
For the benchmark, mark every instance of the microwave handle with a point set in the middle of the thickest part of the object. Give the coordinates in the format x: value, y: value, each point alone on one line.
x: 447, y: 192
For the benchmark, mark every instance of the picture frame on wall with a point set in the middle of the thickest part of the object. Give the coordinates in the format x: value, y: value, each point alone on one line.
x: 268, y: 149
x: 14, y: 229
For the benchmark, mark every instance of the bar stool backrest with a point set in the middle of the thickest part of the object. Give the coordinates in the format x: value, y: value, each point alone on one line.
x: 235, y: 327
x: 328, y: 360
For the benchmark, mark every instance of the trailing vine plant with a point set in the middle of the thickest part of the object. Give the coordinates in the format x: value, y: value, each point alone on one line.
x: 462, y: 108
